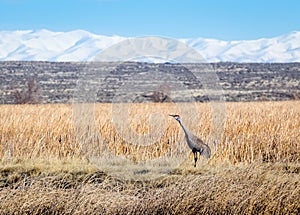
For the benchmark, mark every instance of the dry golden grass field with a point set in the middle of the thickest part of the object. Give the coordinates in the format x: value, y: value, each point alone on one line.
x: 46, y: 168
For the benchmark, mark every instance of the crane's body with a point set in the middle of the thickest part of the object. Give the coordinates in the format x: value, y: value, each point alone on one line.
x: 194, y: 143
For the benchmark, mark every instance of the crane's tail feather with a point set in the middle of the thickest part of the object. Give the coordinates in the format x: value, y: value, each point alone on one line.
x: 206, y: 152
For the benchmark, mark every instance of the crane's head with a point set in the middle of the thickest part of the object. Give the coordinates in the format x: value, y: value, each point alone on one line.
x: 177, y: 117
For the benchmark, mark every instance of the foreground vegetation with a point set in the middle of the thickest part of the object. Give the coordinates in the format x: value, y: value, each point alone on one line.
x: 45, y: 166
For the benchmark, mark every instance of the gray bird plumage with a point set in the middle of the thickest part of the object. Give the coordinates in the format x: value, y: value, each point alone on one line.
x: 195, y: 143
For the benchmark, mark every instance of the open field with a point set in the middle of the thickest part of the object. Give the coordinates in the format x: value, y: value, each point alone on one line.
x: 46, y: 165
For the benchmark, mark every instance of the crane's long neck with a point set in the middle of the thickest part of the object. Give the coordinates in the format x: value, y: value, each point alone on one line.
x: 187, y: 134
x: 184, y: 128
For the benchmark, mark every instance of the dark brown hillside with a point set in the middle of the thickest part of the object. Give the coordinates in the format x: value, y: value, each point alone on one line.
x: 138, y: 82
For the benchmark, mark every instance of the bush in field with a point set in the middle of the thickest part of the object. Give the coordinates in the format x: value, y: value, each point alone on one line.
x: 30, y: 94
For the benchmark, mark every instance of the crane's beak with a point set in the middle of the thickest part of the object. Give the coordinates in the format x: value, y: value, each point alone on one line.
x: 172, y: 115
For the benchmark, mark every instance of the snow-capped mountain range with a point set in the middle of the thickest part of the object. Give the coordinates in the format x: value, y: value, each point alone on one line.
x: 79, y: 45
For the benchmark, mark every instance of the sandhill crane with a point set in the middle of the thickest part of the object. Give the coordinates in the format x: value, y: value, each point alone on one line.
x: 195, y: 143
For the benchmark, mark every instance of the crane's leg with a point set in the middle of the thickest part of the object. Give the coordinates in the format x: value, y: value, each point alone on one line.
x: 195, y: 158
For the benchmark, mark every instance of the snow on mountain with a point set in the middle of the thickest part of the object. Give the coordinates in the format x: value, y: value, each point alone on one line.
x: 285, y: 48
x: 45, y: 45
x: 79, y: 45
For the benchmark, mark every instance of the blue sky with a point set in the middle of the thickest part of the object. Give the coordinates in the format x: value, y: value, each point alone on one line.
x: 219, y: 19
